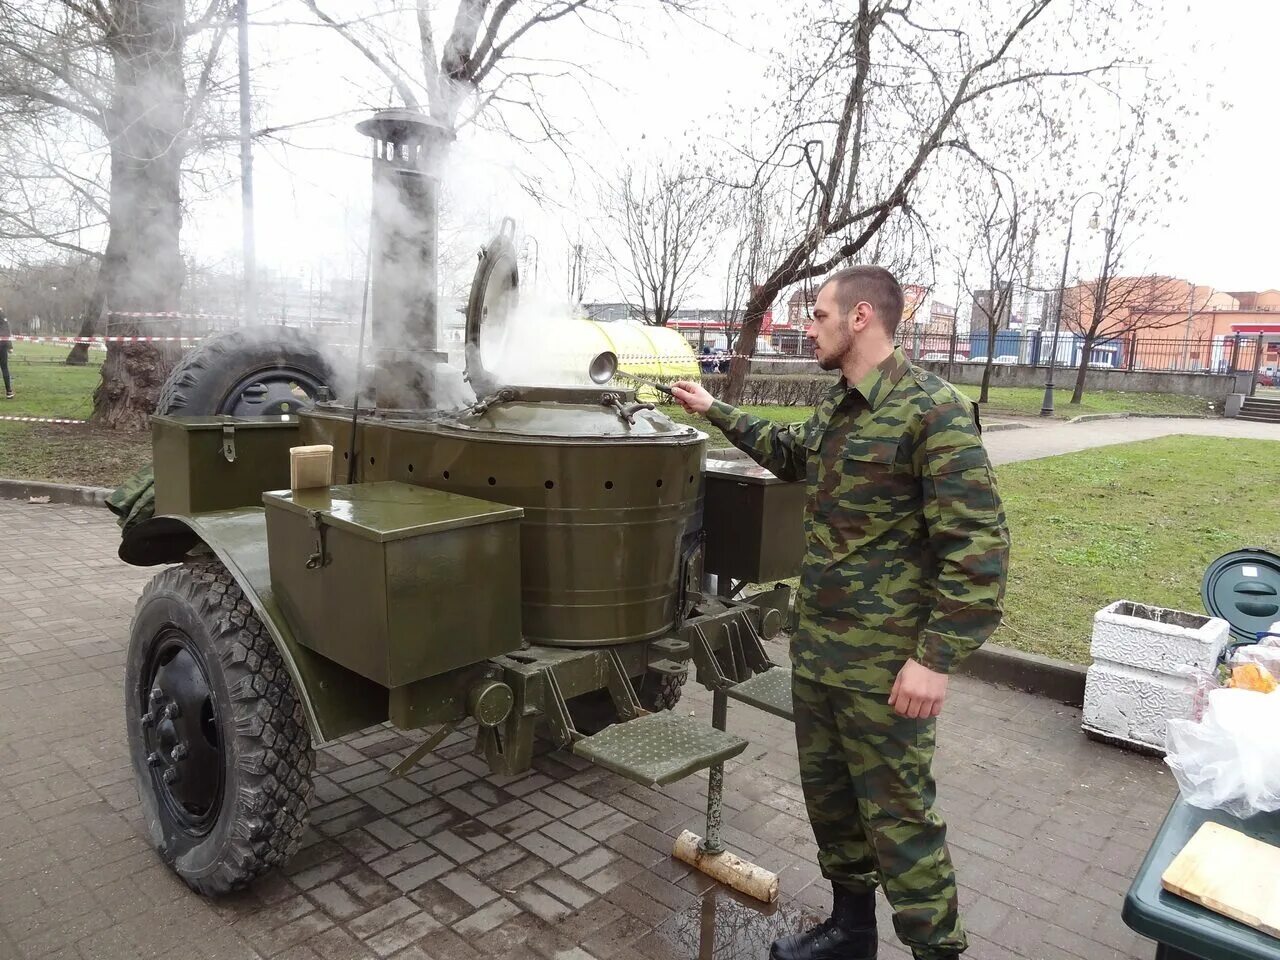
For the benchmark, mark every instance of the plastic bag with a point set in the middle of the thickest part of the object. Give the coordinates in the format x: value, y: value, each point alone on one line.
x: 1230, y: 759
x: 1265, y: 653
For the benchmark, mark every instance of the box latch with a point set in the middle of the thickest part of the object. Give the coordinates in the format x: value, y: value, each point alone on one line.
x: 229, y: 443
x: 319, y: 558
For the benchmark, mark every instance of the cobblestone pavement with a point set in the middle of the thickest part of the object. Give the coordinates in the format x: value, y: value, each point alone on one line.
x: 567, y: 862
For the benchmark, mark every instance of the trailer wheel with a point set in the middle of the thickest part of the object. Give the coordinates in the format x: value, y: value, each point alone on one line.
x: 252, y: 371
x: 661, y: 693
x: 592, y: 712
x: 217, y: 736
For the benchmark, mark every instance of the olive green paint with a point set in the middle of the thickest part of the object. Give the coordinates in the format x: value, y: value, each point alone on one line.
x: 754, y: 522
x: 193, y: 472
x: 351, y: 566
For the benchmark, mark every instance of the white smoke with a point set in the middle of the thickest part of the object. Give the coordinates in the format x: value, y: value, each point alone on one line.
x: 544, y: 341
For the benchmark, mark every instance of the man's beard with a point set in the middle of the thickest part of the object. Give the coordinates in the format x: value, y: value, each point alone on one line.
x: 834, y: 359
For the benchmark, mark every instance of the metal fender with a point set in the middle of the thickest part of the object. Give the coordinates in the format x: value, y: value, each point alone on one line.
x: 336, y: 700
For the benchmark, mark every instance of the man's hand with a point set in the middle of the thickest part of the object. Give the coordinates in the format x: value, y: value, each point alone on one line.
x: 691, y: 396
x: 918, y: 692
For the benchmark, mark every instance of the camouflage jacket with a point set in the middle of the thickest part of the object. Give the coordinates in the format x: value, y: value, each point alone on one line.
x: 907, y: 545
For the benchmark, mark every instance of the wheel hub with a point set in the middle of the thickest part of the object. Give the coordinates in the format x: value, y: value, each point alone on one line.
x: 179, y: 725
x: 271, y: 392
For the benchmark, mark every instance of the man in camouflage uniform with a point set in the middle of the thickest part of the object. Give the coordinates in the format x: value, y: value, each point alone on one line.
x: 904, y: 574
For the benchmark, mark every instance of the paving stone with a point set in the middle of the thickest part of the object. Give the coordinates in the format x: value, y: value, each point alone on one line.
x: 1046, y: 827
x: 402, y: 934
x: 486, y: 918
x: 417, y: 875
x: 543, y: 846
x: 382, y: 917
x: 467, y: 887
x: 588, y: 863
x: 390, y: 833
x: 336, y: 901
x: 541, y: 903
x: 454, y: 847
x: 563, y: 888
x: 567, y: 836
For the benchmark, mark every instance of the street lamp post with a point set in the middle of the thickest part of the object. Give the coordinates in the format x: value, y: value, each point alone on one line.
x: 1046, y: 408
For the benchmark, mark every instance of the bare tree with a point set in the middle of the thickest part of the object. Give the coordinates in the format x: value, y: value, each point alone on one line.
x: 475, y: 73
x: 753, y: 220
x: 1002, y: 245
x: 1118, y: 301
x: 665, y: 220
x: 878, y: 95
x: 127, y: 76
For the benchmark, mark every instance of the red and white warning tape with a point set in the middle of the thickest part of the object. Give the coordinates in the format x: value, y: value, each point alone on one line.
x: 709, y: 358
x: 22, y: 338
x: 41, y: 420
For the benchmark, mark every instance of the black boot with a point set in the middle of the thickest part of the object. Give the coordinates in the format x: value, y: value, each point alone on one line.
x: 848, y: 934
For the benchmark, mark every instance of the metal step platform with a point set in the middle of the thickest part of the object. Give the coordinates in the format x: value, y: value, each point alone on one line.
x: 659, y: 748
x: 769, y: 691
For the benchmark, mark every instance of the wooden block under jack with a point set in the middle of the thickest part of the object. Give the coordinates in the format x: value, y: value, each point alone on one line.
x: 726, y: 868
x: 311, y: 466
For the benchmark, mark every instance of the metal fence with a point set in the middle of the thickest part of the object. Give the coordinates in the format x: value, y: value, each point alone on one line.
x: 1244, y: 353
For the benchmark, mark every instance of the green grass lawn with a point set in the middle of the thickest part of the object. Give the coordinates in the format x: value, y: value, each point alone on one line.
x: 1140, y: 521
x: 46, y: 387
x: 1026, y: 402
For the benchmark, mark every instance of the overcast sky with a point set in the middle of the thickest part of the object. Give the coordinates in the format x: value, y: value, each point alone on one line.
x: 680, y: 81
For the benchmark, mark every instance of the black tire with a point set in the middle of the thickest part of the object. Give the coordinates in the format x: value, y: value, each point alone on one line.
x: 247, y: 372
x: 662, y: 692
x: 238, y: 801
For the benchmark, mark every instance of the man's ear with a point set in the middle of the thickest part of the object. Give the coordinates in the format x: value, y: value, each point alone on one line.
x: 860, y: 316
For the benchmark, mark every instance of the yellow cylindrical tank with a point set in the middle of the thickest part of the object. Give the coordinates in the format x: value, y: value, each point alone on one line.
x: 655, y: 353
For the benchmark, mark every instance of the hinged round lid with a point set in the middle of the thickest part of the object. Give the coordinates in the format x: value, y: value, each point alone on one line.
x: 490, y: 305
x: 1243, y: 588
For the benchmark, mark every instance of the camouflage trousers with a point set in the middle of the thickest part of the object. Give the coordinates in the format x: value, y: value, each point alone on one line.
x: 870, y: 792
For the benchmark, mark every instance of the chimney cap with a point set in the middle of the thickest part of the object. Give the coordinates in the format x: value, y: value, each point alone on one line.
x: 404, y: 126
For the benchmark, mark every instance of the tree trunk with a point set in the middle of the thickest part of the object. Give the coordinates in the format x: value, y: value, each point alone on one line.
x: 745, y: 348
x: 986, y: 370
x: 146, y: 126
x: 79, y: 353
x: 1078, y: 394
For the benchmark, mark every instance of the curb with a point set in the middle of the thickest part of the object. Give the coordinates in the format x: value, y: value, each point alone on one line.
x: 1090, y: 417
x: 1004, y: 425
x: 56, y: 492
x: 1043, y: 676
x: 1087, y: 417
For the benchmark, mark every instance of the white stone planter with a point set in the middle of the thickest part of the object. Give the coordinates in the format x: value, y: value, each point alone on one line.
x: 1138, y: 679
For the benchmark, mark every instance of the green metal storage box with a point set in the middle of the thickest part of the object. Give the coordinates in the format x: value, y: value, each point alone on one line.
x: 219, y: 462
x: 754, y: 522
x: 393, y: 581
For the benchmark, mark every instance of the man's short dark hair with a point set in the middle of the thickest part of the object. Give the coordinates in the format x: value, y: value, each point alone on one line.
x: 876, y: 285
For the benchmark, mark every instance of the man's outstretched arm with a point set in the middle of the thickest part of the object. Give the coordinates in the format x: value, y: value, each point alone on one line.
x: 775, y: 447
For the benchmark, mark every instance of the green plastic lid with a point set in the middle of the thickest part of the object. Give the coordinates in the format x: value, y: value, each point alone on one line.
x: 1243, y: 588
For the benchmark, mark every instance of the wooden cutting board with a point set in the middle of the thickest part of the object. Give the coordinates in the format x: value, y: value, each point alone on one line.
x: 1231, y: 874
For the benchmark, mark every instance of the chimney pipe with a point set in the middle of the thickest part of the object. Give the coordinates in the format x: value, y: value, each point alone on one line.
x: 408, y: 148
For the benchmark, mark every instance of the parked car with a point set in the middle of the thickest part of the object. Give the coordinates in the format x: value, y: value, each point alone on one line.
x: 935, y: 356
x: 1006, y: 360
x: 976, y: 360
x: 1266, y: 379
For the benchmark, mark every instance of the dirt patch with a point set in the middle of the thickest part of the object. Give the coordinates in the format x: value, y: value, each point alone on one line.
x: 71, y: 453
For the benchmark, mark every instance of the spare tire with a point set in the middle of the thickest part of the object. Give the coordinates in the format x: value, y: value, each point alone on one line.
x: 250, y: 372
